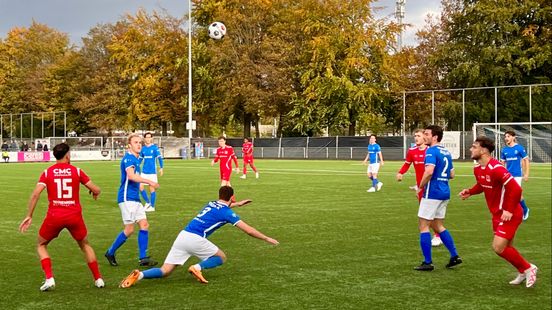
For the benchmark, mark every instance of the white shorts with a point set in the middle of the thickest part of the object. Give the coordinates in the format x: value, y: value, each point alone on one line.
x: 373, y: 168
x: 432, y: 209
x: 188, y: 244
x: 151, y: 177
x: 132, y: 212
x: 518, y: 180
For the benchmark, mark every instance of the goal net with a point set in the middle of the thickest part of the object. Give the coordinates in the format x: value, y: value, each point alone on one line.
x: 535, y: 137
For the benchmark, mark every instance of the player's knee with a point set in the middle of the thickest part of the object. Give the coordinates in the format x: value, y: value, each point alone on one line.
x: 129, y: 229
x: 498, y: 248
x: 144, y: 225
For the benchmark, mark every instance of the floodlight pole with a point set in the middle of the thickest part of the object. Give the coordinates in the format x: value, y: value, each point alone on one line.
x: 190, y: 76
x: 399, y: 14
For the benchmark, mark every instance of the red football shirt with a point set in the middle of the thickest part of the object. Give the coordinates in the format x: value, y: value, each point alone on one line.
x: 415, y: 156
x: 226, y: 155
x: 247, y: 149
x: 62, y: 182
x: 502, y: 192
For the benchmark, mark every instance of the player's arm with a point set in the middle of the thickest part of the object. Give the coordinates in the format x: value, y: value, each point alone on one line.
x: 405, y: 166
x: 452, y: 174
x: 216, y: 159
x: 26, y: 223
x: 525, y: 168
x: 160, y: 159
x: 511, y: 190
x: 503, y: 158
x: 94, y: 189
x: 255, y: 233
x: 474, y: 190
x: 137, y: 178
x: 428, y: 172
x: 240, y: 203
x: 380, y: 154
x: 366, y: 158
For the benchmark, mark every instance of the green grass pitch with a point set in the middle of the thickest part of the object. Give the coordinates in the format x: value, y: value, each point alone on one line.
x: 340, y: 247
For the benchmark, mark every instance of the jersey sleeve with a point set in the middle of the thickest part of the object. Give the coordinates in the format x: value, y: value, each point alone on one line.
x: 502, y: 155
x: 127, y: 163
x: 42, y: 179
x: 159, y: 157
x: 83, y: 177
x: 430, y: 158
x: 378, y: 148
x: 231, y: 217
x: 522, y: 152
x: 407, y: 162
x: 512, y: 190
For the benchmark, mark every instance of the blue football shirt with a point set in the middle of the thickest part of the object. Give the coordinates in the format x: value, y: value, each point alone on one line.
x: 150, y: 155
x: 212, y: 217
x: 373, y: 150
x: 513, y: 156
x: 129, y: 190
x: 438, y: 186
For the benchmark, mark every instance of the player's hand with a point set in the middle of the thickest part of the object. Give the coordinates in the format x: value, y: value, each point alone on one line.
x: 364, y: 162
x: 382, y: 163
x: 212, y: 163
x: 94, y: 196
x: 399, y: 177
x: 155, y: 185
x: 506, y: 216
x: 25, y: 224
x: 464, y: 194
x: 160, y: 172
x: 272, y: 241
x: 525, y: 178
x: 237, y: 170
x: 244, y: 202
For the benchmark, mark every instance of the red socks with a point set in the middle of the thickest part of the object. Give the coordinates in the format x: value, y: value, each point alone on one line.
x: 95, y: 270
x: 47, y: 267
x: 513, y: 257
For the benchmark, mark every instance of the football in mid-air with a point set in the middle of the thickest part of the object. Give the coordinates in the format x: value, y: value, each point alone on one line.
x: 217, y: 30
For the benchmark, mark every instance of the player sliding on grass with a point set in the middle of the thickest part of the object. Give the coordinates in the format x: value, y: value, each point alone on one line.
x: 62, y: 182
x: 502, y: 194
x: 192, y: 241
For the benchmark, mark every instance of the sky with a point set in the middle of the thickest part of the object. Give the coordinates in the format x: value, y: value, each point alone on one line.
x: 77, y: 17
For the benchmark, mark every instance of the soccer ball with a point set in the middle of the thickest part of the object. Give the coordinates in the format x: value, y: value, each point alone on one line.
x: 217, y: 30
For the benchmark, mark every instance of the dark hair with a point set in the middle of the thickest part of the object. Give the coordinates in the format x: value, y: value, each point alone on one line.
x: 221, y: 137
x: 148, y: 133
x: 226, y: 193
x: 436, y: 131
x: 373, y: 135
x: 486, y: 142
x: 511, y: 133
x: 247, y: 138
x: 60, y: 150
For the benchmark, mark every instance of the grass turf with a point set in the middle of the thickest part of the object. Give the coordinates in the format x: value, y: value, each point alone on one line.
x: 341, y: 247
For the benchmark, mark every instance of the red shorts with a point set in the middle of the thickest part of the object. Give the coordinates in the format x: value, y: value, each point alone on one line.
x: 225, y: 174
x: 507, y: 230
x: 53, y: 225
x: 248, y: 159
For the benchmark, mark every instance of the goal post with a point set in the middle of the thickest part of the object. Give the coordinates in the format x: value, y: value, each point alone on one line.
x: 535, y: 137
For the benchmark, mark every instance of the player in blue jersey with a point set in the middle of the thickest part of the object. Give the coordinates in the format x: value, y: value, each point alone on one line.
x: 376, y: 159
x: 192, y: 241
x: 150, y: 154
x: 514, y: 157
x: 435, y: 198
x: 132, y: 210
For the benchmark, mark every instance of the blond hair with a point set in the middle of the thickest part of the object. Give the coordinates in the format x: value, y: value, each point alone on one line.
x: 133, y: 135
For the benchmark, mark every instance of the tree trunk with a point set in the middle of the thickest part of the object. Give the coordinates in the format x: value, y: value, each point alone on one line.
x: 257, y: 132
x: 352, y: 129
x: 247, y: 125
x: 164, y: 126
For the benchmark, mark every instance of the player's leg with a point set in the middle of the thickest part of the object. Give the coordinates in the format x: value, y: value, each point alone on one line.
x: 244, y: 175
x: 49, y: 230
x: 46, y: 264
x: 128, y: 210
x: 209, y: 254
x: 144, y: 193
x: 445, y: 235
x: 425, y: 245
x: 143, y: 241
x: 78, y: 230
x: 152, y: 273
x: 522, y: 201
x: 503, y: 246
x: 371, y: 177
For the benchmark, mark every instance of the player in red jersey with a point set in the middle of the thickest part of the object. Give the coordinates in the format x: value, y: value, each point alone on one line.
x: 62, y: 182
x: 502, y: 194
x: 416, y: 156
x: 225, y: 153
x: 247, y: 151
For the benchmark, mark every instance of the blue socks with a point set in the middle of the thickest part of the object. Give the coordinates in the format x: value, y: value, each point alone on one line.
x: 448, y: 242
x: 152, y: 273
x: 143, y: 243
x: 145, y: 196
x: 374, y: 182
x: 153, y: 197
x: 211, y: 262
x: 121, y: 238
x: 425, y: 244
x: 524, y: 206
